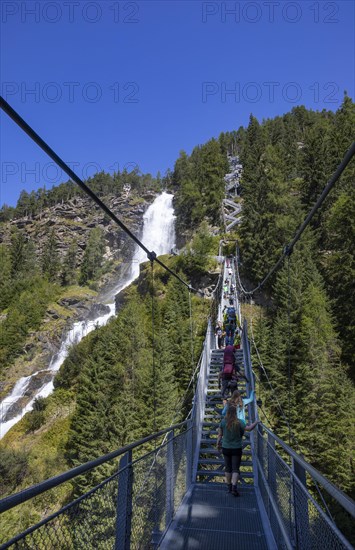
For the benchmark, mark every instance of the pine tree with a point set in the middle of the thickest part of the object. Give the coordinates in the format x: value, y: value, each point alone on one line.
x: 17, y: 251
x: 5, y: 276
x: 339, y: 270
x: 324, y: 423
x: 315, y: 162
x: 50, y: 258
x: 269, y: 216
x: 69, y: 265
x: 251, y: 152
x: 93, y: 256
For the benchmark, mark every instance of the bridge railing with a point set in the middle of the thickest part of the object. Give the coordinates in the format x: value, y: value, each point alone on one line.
x: 284, y: 480
x: 129, y: 509
x: 132, y: 507
x: 198, y: 409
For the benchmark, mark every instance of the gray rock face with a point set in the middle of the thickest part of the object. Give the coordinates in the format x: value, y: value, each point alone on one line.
x: 37, y: 381
x: 96, y: 310
x: 76, y: 218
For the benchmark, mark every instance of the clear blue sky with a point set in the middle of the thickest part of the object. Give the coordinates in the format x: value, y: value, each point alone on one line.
x: 135, y: 82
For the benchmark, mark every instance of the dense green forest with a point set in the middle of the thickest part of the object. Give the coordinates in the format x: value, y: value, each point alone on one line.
x: 302, y: 321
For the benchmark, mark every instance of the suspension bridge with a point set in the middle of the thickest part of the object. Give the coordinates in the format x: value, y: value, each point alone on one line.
x: 166, y: 491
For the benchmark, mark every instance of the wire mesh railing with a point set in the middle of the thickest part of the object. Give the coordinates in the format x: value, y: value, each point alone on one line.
x: 198, y: 409
x: 134, y: 506
x: 130, y: 509
x: 284, y: 480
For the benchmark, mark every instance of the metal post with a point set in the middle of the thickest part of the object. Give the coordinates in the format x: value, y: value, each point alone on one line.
x: 271, y: 466
x: 260, y: 449
x: 300, y: 506
x: 189, y: 453
x: 170, y: 479
x: 124, y: 503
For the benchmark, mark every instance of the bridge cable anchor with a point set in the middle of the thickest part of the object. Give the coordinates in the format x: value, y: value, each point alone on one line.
x: 151, y: 256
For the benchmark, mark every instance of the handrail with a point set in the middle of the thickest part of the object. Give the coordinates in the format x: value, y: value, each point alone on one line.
x: 344, y: 500
x: 297, y: 472
x: 18, y: 498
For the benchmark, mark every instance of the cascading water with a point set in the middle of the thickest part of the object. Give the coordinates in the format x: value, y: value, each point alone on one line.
x: 158, y: 236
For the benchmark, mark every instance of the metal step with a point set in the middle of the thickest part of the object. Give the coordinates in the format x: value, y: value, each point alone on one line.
x: 211, y: 461
x: 213, y: 440
x: 215, y: 451
x: 210, y: 424
x: 220, y: 473
x: 216, y: 461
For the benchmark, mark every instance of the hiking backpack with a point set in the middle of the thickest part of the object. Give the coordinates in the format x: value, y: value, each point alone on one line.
x: 227, y: 371
x: 231, y: 314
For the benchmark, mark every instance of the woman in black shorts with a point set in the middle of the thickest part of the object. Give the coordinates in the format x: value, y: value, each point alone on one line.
x: 230, y: 435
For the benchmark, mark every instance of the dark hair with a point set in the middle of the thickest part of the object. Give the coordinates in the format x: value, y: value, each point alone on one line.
x: 236, y: 399
x: 232, y: 421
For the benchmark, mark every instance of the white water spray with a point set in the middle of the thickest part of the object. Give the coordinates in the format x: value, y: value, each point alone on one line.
x: 158, y: 236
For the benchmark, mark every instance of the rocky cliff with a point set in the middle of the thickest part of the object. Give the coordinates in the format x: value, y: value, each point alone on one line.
x: 75, y: 218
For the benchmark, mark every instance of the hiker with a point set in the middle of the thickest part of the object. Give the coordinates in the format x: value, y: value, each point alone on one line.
x: 239, y: 403
x: 228, y: 355
x: 228, y: 368
x: 225, y: 290
x: 220, y: 336
x: 230, y: 343
x: 231, y: 314
x: 232, y: 384
x: 227, y: 379
x: 237, y: 340
x: 229, y: 330
x: 230, y: 434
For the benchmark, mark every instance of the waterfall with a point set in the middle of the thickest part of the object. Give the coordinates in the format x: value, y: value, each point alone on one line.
x: 158, y: 236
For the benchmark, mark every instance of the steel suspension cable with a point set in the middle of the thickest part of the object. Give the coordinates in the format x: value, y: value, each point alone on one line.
x: 153, y: 350
x: 155, y: 505
x: 289, y: 348
x: 49, y: 151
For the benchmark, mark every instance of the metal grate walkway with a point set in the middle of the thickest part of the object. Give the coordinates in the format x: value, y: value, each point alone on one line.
x: 210, y: 464
x: 209, y: 518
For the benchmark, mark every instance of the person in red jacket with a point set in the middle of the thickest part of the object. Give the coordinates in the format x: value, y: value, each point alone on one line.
x: 228, y: 373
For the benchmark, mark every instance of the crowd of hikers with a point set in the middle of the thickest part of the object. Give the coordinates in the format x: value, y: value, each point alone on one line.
x: 228, y: 332
x: 233, y: 423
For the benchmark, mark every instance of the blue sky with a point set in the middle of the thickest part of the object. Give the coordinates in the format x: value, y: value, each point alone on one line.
x: 133, y: 83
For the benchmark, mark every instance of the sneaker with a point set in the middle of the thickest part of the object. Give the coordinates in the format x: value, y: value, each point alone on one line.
x: 229, y: 488
x: 235, y: 491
